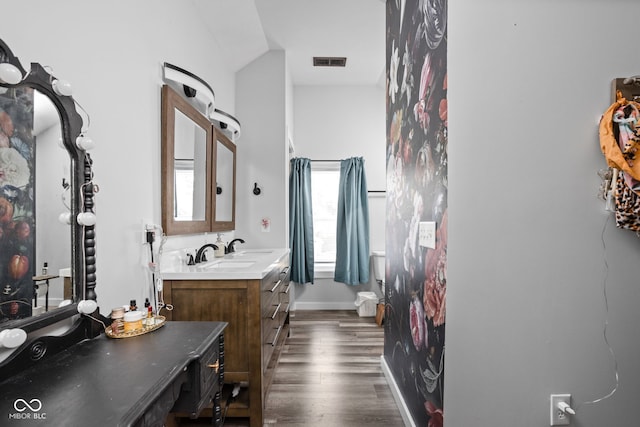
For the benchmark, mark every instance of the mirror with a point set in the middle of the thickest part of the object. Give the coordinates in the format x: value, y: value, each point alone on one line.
x: 190, y: 169
x: 187, y: 159
x: 226, y: 183
x: 52, y: 238
x: 34, y: 118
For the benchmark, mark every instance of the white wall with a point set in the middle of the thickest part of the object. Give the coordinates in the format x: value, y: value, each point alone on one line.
x: 112, y: 53
x: 262, y: 151
x: 528, y: 245
x: 334, y: 123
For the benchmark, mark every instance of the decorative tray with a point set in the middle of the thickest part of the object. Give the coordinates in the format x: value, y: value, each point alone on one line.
x: 148, y: 325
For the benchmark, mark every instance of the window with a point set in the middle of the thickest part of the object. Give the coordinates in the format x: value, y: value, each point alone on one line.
x: 183, y: 193
x: 325, y: 182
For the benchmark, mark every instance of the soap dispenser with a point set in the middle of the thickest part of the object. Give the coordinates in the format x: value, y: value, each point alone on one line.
x: 220, y: 245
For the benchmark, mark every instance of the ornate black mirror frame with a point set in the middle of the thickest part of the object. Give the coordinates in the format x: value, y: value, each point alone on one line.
x: 83, y: 276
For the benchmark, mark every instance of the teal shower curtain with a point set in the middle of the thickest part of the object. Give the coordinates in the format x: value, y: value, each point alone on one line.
x: 301, y: 221
x: 352, y: 239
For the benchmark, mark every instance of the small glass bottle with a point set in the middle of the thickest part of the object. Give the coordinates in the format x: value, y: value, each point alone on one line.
x: 45, y: 268
x: 148, y: 308
x: 132, y: 305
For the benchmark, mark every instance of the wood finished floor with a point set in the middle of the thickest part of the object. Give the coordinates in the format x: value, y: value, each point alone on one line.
x: 329, y: 375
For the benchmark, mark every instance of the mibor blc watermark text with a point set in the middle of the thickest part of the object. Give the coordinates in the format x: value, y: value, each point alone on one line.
x: 27, y: 410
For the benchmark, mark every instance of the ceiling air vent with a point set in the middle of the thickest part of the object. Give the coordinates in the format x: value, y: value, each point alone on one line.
x: 329, y: 61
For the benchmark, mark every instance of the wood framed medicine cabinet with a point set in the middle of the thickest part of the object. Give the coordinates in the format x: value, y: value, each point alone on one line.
x: 198, y: 170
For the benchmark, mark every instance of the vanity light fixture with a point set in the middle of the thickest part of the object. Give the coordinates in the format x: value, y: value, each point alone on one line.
x: 12, y: 338
x: 87, y: 306
x: 65, y: 218
x: 62, y: 87
x: 226, y: 121
x: 193, y: 86
x: 10, y: 74
x: 86, y: 218
x: 196, y: 88
x: 84, y: 142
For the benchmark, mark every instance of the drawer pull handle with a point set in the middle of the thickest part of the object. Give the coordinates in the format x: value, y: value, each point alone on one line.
x: 214, y: 366
x: 275, y: 338
x: 276, y: 285
x: 287, y: 309
x: 273, y: 316
x: 286, y: 290
x: 284, y: 272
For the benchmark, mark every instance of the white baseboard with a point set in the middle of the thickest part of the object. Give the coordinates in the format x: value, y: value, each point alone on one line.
x: 337, y: 305
x: 53, y: 302
x: 397, y: 396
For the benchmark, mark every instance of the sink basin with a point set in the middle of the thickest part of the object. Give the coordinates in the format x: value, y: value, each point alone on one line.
x: 249, y: 252
x: 224, y: 265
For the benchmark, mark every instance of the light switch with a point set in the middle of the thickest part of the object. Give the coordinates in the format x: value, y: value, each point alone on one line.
x: 427, y: 234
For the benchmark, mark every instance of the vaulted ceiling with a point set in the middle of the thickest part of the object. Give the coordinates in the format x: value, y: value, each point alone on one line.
x: 355, y: 29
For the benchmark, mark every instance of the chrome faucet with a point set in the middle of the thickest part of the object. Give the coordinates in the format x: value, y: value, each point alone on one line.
x: 200, y: 255
x: 231, y: 247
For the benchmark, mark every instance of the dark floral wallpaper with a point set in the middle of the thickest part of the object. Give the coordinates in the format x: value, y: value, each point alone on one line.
x: 17, y: 174
x: 416, y: 277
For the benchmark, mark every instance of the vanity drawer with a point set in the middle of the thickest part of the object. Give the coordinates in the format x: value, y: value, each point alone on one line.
x: 211, y: 371
x: 204, y: 382
x: 272, y: 283
x: 285, y: 296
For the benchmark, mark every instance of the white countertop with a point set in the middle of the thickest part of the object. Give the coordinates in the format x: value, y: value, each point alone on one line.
x: 243, y: 264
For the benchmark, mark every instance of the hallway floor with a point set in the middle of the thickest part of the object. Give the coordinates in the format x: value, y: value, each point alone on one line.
x: 329, y: 375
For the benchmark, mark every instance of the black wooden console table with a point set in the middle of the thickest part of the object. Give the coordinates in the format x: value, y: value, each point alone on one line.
x: 121, y: 382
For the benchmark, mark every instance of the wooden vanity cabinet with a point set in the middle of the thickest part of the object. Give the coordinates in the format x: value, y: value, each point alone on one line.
x: 257, y: 313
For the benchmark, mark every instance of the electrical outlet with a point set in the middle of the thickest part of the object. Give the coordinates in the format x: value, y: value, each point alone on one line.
x: 427, y: 234
x: 557, y: 416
